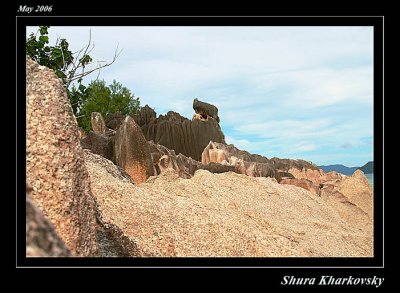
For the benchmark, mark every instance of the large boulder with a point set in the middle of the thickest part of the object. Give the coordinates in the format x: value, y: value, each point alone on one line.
x: 288, y: 164
x: 132, y: 152
x: 242, y: 161
x: 188, y: 137
x: 302, y: 183
x: 111, y: 240
x: 215, y: 151
x: 144, y: 115
x: 99, y: 144
x: 115, y: 120
x: 55, y: 167
x: 165, y: 159
x: 358, y: 191
x: 205, y: 110
x: 98, y: 124
x: 316, y: 176
x: 41, y: 237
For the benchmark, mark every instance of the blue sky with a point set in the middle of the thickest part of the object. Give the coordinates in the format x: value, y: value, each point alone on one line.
x: 287, y: 92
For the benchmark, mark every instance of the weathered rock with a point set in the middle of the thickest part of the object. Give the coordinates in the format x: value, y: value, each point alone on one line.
x: 285, y: 175
x: 352, y: 190
x: 82, y: 133
x: 178, y: 133
x: 98, y: 124
x: 215, y: 149
x: 316, y: 176
x: 98, y: 144
x: 111, y: 240
x: 227, y: 215
x: 358, y: 191
x: 288, y: 164
x: 168, y: 162
x: 108, y: 166
x: 145, y: 115
x: 41, y: 237
x: 132, y: 151
x: 302, y: 183
x: 244, y: 162
x: 212, y: 153
x: 165, y: 159
x: 115, y: 120
x: 205, y: 110
x: 218, y: 168
x: 55, y: 166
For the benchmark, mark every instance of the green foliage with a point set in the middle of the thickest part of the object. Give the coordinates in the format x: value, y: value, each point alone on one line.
x: 58, y: 57
x: 97, y: 96
x: 78, y: 96
x: 107, y: 100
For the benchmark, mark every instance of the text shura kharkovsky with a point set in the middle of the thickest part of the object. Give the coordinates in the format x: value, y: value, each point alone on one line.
x: 331, y: 280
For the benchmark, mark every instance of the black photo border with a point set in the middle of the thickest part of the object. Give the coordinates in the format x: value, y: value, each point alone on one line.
x: 293, y: 263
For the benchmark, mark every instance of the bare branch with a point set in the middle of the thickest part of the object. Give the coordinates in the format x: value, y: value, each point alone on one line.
x: 98, y: 74
x: 80, y: 75
x: 77, y: 65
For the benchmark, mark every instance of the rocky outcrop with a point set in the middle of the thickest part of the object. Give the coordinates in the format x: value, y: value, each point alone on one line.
x: 41, y: 237
x: 358, y: 191
x: 145, y: 115
x: 188, y: 137
x: 81, y: 132
x: 55, y: 167
x: 115, y: 120
x: 288, y: 164
x: 99, y: 144
x: 110, y: 238
x: 215, y: 151
x: 165, y: 159
x: 97, y: 122
x: 108, y: 166
x: 205, y: 110
x: 132, y: 152
x: 227, y: 215
x: 352, y: 190
x: 244, y: 162
x: 302, y: 183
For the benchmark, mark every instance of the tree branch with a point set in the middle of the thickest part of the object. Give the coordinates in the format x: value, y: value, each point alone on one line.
x: 74, y: 76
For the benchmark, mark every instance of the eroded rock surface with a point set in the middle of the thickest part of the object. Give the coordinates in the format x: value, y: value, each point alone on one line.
x: 55, y: 164
x: 132, y: 152
x: 41, y: 237
x: 227, y: 214
x: 188, y: 137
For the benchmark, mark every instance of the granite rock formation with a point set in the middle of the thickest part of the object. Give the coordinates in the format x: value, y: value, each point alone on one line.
x: 205, y: 110
x: 132, y: 152
x: 97, y: 122
x: 165, y: 159
x: 355, y: 188
x: 228, y: 215
x: 98, y: 143
x: 188, y: 137
x: 41, y: 237
x: 55, y: 165
x: 115, y: 120
x: 111, y: 240
x: 244, y: 162
x: 302, y: 183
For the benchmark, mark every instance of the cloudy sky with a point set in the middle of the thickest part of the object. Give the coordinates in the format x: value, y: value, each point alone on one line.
x: 287, y: 92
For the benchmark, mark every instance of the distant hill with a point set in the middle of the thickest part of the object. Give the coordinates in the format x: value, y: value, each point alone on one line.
x: 339, y: 168
x: 368, y: 168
